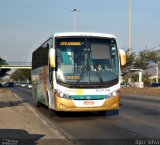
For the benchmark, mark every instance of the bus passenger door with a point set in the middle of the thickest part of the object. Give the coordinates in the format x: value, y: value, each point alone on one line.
x: 51, y: 66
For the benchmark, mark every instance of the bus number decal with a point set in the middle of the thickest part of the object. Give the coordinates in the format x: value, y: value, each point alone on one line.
x: 102, y: 90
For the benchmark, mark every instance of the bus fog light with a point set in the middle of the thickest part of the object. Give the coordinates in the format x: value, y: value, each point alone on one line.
x: 62, y: 106
x: 115, y: 105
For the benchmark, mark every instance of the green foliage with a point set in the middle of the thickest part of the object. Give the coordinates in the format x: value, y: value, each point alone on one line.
x: 2, y: 61
x: 21, y: 75
x: 146, y: 58
x: 130, y: 57
x: 154, y: 55
x: 154, y: 80
x: 3, y: 72
x: 143, y: 59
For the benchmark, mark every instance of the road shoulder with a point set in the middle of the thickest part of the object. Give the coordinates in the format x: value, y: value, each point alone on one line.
x: 20, y: 121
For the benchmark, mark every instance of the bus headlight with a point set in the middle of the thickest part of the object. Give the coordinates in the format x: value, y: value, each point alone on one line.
x: 62, y: 94
x: 113, y: 94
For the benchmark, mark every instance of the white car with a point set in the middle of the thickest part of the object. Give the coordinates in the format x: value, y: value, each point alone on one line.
x: 29, y: 85
x: 23, y: 85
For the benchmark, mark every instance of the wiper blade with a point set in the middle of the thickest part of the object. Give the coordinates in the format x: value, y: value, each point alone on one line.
x: 97, y: 73
x: 83, y: 69
x: 86, y: 67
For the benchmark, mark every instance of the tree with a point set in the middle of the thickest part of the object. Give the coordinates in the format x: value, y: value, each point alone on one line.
x: 21, y: 75
x: 15, y: 76
x: 146, y: 58
x: 130, y: 57
x: 143, y: 59
x: 3, y: 72
x: 154, y: 55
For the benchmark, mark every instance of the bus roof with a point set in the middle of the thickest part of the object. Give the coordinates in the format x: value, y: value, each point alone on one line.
x: 83, y: 34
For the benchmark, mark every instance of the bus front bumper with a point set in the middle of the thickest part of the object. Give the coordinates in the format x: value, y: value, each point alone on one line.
x: 68, y: 105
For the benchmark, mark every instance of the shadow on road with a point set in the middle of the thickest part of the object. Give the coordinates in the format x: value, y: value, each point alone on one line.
x: 10, y: 103
x: 18, y: 137
x: 84, y: 114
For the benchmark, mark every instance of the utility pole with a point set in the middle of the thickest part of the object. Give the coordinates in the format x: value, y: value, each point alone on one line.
x: 74, y: 18
x: 129, y: 26
x: 140, y: 77
x: 157, y: 67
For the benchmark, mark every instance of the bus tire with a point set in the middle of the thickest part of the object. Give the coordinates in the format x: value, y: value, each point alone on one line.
x: 60, y: 113
x: 112, y: 112
x: 38, y: 104
x: 47, y: 102
x: 102, y: 113
x: 51, y: 112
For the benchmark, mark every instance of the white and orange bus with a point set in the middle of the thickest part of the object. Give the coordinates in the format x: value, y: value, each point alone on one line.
x: 78, y: 72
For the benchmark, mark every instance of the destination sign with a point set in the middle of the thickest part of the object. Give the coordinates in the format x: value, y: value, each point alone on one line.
x: 70, y: 43
x: 72, y: 77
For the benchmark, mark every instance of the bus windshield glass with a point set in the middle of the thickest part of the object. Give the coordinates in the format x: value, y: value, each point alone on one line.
x: 86, y: 60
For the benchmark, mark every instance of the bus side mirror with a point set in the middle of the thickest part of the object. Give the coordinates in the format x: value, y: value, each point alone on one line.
x: 122, y: 57
x: 52, y: 57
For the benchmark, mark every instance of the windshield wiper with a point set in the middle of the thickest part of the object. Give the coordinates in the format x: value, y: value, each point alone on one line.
x: 86, y: 68
x: 97, y: 73
x: 83, y: 69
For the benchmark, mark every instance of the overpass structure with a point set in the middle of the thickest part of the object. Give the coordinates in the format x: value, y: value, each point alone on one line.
x: 16, y: 65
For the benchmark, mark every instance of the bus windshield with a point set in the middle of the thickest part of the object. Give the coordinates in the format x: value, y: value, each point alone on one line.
x: 86, y: 61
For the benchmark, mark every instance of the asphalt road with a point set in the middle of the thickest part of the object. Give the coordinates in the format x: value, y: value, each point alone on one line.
x: 137, y: 123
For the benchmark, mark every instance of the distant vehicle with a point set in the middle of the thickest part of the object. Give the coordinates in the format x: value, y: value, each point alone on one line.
x: 18, y: 84
x: 8, y: 84
x: 78, y: 72
x: 124, y: 84
x: 23, y: 84
x: 5, y: 84
x: 155, y: 84
x: 29, y: 85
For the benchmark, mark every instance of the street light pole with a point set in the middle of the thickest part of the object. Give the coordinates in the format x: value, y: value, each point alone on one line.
x: 129, y: 24
x: 157, y: 78
x: 74, y: 18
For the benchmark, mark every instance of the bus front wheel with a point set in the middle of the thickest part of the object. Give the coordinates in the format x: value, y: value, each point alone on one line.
x: 108, y: 113
x: 102, y: 113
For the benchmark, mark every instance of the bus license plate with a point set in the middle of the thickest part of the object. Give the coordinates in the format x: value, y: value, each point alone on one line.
x: 88, y: 102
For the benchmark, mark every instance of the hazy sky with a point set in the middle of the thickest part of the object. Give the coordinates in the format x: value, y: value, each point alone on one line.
x: 25, y: 24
